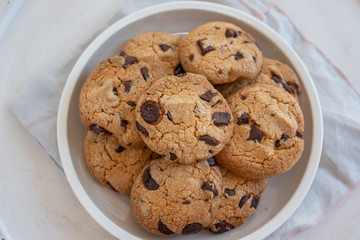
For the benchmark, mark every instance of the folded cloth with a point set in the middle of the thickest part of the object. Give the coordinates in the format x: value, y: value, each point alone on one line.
x: 36, y: 107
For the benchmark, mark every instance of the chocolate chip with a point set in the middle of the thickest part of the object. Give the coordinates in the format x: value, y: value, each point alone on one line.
x: 164, y: 229
x: 254, y: 202
x: 208, y: 95
x: 221, y: 118
x: 277, y: 143
x: 239, y: 33
x: 111, y: 186
x: 148, y: 181
x: 168, y: 114
x: 150, y: 112
x: 209, y: 186
x: 229, y: 192
x: 286, y: 86
x: 246, y: 41
x: 129, y: 60
x: 127, y: 86
x: 242, y: 97
x: 131, y: 103
x: 120, y: 149
x: 276, y: 79
x: 284, y: 136
x: 173, y: 156
x: 179, y: 70
x: 186, y: 202
x: 243, y: 200
x: 257, y: 44
x: 243, y: 119
x: 210, y: 151
x: 97, y: 130
x: 209, y: 140
x: 145, y: 73
x: 220, y: 71
x: 164, y: 47
x: 238, y: 56
x: 192, y: 228
x: 142, y: 129
x: 255, y: 134
x: 115, y: 92
x: 222, y: 227
x: 254, y: 58
x: 123, y: 124
x: 212, y: 161
x: 230, y: 33
x: 204, y: 49
x: 191, y: 57
x: 299, y: 135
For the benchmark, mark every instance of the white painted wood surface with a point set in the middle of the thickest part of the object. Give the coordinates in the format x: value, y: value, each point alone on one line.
x: 35, y: 200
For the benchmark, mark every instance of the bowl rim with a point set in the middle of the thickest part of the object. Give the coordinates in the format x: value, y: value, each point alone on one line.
x: 62, y: 134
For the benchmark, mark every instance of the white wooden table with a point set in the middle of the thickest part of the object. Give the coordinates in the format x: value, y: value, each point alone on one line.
x: 36, y: 202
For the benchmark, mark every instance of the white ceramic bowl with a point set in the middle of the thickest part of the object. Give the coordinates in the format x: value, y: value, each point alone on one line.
x: 111, y: 210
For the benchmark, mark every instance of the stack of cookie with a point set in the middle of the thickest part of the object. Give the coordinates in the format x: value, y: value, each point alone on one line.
x: 191, y: 127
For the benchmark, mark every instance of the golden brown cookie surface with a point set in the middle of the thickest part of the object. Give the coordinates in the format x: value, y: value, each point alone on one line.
x: 111, y: 164
x: 168, y: 197
x: 223, y: 52
x: 156, y: 48
x: 184, y: 118
x: 109, y: 96
x: 272, y: 72
x: 239, y: 201
x: 268, y: 126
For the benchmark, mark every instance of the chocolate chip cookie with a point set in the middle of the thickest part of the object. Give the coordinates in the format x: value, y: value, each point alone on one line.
x: 156, y: 48
x: 272, y: 72
x: 221, y: 51
x: 184, y: 118
x: 239, y: 201
x: 108, y: 97
x: 168, y: 197
x: 111, y: 164
x: 268, y: 127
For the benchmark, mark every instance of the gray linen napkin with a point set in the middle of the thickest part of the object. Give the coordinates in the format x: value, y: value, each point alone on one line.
x: 36, y: 107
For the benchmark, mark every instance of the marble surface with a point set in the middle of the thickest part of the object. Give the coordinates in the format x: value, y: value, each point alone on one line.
x: 36, y: 201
